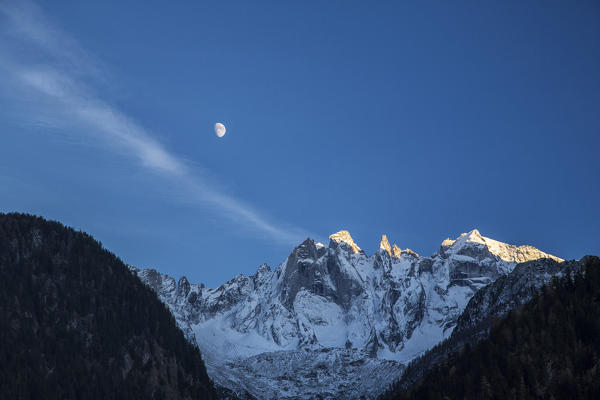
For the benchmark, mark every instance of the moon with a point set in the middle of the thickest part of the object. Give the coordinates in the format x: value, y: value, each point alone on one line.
x: 220, y: 129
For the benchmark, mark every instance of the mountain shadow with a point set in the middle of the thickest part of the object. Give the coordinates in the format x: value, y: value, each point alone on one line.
x: 75, y: 323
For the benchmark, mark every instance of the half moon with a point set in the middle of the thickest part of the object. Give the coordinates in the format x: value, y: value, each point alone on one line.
x: 220, y: 129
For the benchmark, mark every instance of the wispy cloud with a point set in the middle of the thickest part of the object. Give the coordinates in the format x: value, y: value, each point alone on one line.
x: 60, y: 72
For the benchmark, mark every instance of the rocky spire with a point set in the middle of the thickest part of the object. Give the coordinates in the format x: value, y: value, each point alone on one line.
x: 385, y: 245
x: 396, y: 251
x: 345, y: 238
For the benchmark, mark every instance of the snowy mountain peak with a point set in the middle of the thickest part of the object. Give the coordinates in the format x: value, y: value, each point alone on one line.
x: 384, y: 244
x: 343, y: 237
x: 306, y: 252
x: 467, y: 242
x: 472, y: 236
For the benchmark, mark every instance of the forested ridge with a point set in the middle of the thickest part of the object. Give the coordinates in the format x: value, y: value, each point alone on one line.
x: 76, y: 323
x: 547, y: 349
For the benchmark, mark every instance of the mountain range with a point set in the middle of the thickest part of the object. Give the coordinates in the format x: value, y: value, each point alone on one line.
x: 329, y: 322
x: 333, y: 322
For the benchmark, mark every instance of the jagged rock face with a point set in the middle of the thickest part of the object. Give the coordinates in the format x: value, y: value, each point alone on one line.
x: 378, y: 310
x: 493, y: 301
x: 310, y: 268
x: 512, y: 290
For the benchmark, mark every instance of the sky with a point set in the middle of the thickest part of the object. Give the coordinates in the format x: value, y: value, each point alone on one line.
x: 420, y: 120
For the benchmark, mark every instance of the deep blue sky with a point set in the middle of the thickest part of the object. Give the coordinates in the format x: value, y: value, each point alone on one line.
x: 418, y: 120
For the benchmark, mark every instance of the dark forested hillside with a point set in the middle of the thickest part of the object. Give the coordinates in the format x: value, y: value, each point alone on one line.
x: 75, y: 323
x: 548, y: 349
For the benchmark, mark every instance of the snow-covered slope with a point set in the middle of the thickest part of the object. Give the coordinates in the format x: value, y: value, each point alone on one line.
x: 332, y: 320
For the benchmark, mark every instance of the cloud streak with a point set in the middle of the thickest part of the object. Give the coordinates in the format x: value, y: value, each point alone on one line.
x: 57, y: 70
